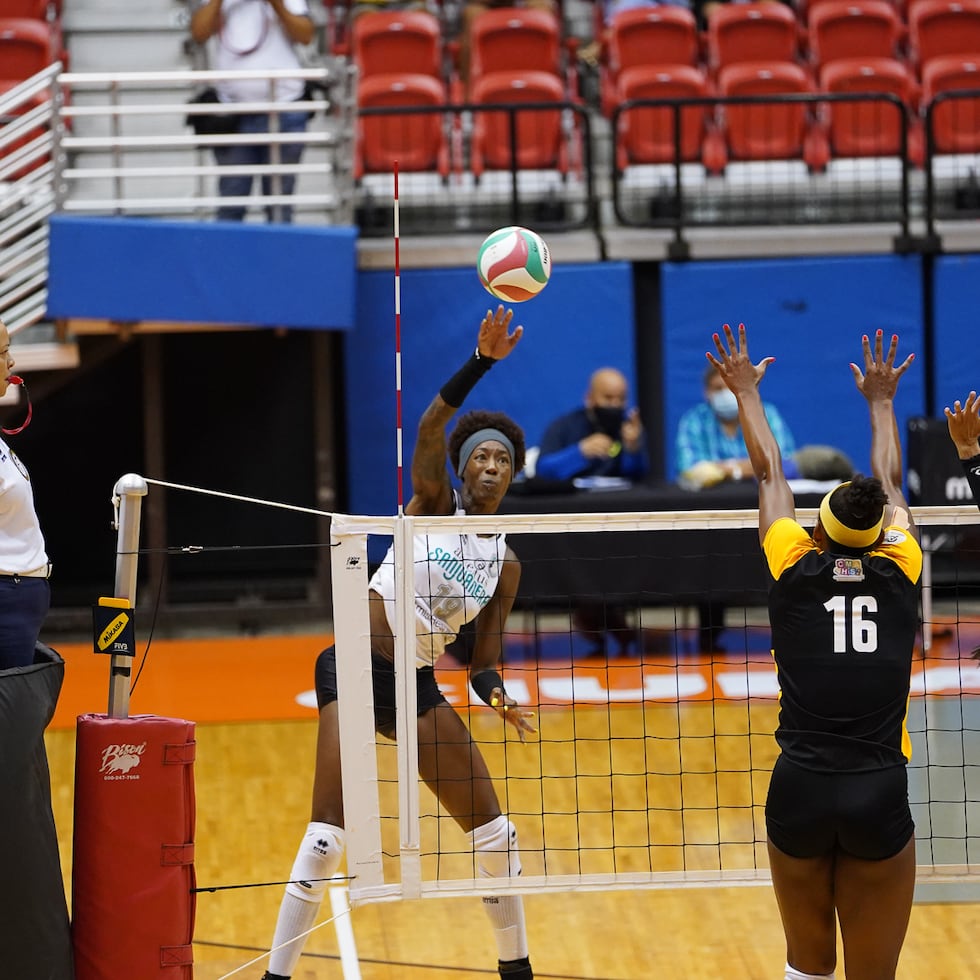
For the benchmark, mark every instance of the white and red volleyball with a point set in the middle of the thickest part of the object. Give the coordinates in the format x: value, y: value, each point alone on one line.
x: 514, y: 264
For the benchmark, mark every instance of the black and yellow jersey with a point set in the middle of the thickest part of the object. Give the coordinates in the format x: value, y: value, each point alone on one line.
x: 843, y: 631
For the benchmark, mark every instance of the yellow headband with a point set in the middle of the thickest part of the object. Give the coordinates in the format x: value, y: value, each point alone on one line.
x: 848, y: 536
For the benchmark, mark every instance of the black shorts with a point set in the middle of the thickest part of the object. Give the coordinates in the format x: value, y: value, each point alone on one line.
x: 383, y: 674
x: 865, y: 814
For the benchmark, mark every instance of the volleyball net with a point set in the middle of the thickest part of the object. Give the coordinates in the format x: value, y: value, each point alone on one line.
x: 653, y: 754
x: 655, y: 733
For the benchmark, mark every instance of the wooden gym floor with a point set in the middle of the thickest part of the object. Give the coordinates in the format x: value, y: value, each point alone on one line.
x: 256, y: 732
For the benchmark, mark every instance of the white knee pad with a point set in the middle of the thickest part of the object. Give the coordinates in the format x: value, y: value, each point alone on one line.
x: 495, y: 844
x: 316, y: 862
x: 792, y: 974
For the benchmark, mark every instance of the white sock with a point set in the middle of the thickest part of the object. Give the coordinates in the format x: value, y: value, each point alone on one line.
x: 495, y: 844
x: 793, y: 974
x: 316, y: 861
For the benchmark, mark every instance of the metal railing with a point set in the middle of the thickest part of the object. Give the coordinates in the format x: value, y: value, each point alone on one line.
x: 952, y: 158
x: 28, y: 145
x: 686, y: 163
x: 128, y: 148
x: 486, y: 164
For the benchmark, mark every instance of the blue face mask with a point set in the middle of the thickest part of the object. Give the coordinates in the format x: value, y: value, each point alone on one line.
x: 724, y: 404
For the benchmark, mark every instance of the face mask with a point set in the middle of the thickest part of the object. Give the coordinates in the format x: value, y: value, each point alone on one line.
x: 724, y: 404
x: 608, y: 419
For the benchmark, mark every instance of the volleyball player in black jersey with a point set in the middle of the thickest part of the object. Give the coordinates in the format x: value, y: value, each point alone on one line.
x: 963, y: 422
x: 843, y: 609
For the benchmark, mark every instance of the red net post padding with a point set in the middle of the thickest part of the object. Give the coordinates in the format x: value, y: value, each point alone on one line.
x: 133, y: 865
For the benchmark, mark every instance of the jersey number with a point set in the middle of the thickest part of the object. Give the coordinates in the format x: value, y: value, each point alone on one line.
x: 863, y: 631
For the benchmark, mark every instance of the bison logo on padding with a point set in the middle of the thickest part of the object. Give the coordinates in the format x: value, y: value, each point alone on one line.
x: 121, y: 758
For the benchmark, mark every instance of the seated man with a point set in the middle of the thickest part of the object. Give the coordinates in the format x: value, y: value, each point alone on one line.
x: 711, y: 449
x: 601, y: 438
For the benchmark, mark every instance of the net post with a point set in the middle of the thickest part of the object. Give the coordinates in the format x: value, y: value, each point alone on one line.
x: 127, y: 499
x: 406, y: 710
x: 358, y: 757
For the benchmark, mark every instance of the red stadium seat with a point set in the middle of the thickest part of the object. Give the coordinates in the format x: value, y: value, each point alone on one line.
x: 854, y: 29
x: 653, y: 36
x: 515, y: 39
x: 34, y: 9
x: 870, y: 128
x: 766, y: 131
x: 541, y: 142
x: 646, y: 135
x: 416, y: 141
x: 753, y: 32
x: 645, y: 36
x: 26, y: 47
x: 938, y: 27
x: 393, y: 42
x: 955, y: 122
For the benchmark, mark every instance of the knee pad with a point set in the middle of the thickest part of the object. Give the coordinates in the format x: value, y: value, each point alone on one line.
x: 316, y: 862
x: 495, y: 844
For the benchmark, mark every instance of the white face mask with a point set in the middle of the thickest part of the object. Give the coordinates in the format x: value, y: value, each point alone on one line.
x: 724, y: 404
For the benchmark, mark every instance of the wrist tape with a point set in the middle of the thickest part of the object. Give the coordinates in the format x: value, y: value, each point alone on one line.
x: 485, y: 682
x: 455, y: 390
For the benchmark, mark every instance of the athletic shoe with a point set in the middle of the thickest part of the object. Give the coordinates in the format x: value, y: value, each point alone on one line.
x: 515, y: 969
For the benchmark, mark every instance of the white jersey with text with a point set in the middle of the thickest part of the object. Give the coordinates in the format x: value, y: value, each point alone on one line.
x: 455, y: 577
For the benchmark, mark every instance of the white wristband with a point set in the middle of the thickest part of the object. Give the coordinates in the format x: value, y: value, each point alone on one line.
x: 736, y: 471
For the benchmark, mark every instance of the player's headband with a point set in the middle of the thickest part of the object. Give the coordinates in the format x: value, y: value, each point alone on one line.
x: 482, y: 435
x: 848, y: 536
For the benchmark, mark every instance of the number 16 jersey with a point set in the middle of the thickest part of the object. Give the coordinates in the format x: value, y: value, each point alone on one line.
x: 843, y: 632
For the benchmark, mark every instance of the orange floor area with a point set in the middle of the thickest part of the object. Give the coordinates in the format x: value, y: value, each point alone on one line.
x: 270, y: 678
x: 219, y: 679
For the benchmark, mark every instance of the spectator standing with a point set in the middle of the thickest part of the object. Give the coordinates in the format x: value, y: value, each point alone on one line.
x: 256, y: 35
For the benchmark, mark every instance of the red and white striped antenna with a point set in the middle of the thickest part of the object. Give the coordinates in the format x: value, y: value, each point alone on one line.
x: 398, y: 353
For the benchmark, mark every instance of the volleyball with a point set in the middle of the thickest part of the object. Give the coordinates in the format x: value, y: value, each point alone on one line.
x: 514, y: 264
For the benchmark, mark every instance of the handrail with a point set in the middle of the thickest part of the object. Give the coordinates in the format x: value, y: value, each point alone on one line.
x: 677, y: 219
x: 930, y: 154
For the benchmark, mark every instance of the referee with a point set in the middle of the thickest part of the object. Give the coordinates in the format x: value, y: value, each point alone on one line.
x: 843, y: 610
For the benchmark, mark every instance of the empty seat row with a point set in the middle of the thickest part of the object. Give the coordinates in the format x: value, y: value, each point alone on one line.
x: 754, y: 32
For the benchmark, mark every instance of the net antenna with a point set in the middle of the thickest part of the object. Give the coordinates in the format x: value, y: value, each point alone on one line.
x: 398, y: 347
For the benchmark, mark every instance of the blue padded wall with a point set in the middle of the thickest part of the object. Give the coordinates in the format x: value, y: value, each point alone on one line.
x: 131, y: 269
x: 583, y: 320
x: 957, y: 367
x: 807, y: 313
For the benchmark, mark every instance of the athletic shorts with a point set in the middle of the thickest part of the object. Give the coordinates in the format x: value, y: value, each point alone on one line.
x: 865, y: 814
x: 383, y: 673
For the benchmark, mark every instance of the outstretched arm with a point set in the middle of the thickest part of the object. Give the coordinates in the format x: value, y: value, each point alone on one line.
x: 431, y: 489
x: 964, y: 429
x: 743, y: 378
x: 878, y: 383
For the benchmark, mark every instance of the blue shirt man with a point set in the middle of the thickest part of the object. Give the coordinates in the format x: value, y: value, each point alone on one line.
x: 601, y: 438
x: 710, y: 446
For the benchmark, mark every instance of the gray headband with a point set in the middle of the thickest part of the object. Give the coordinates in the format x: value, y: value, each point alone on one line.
x: 482, y: 435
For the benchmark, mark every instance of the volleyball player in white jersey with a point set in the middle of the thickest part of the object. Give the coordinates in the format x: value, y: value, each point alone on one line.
x: 24, y: 567
x: 458, y: 578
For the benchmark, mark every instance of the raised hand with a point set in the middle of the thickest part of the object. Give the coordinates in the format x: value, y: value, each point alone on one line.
x: 879, y: 380
x: 963, y: 422
x: 495, y: 339
x: 733, y: 362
